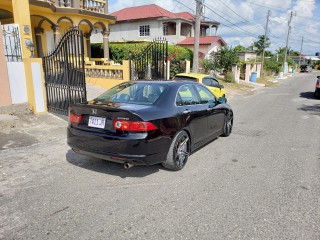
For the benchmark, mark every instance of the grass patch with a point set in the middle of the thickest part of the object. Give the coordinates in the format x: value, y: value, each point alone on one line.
x: 266, y: 81
x: 234, y: 86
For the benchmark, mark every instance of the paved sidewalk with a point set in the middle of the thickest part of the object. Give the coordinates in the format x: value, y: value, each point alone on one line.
x: 94, y: 91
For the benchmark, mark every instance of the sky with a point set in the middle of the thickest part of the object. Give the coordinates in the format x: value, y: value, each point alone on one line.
x: 243, y: 20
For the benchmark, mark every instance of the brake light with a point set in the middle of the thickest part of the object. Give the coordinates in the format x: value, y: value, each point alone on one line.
x: 318, y: 84
x: 131, y: 126
x: 74, y: 118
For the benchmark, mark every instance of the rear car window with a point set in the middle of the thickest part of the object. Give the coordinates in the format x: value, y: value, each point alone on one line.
x: 184, y: 78
x: 135, y: 93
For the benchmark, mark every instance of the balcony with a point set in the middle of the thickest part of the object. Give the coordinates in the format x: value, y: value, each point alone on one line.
x: 97, y: 6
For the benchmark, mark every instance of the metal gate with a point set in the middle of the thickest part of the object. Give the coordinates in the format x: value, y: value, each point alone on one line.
x: 152, y: 63
x: 64, y: 73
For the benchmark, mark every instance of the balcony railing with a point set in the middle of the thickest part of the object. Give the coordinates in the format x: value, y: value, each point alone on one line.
x: 98, y: 6
x: 109, y: 70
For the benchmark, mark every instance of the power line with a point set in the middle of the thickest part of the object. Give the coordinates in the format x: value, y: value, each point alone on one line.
x: 185, y: 6
x: 234, y: 11
x: 230, y: 22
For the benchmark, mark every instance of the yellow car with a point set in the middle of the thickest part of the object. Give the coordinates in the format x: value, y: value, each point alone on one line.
x: 210, y: 82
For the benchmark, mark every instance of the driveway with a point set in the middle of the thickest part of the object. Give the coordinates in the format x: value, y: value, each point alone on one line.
x: 262, y: 182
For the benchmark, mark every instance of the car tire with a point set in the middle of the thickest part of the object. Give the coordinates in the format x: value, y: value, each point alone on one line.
x: 228, y: 124
x: 179, y: 152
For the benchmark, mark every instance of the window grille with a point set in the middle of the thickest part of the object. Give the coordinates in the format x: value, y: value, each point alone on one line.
x: 144, y: 30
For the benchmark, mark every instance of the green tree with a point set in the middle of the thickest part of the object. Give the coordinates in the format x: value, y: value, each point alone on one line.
x: 240, y: 48
x: 294, y: 53
x: 268, y: 54
x: 224, y: 59
x: 260, y: 44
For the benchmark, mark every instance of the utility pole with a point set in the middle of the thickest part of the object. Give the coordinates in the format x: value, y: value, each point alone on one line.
x: 300, y: 53
x: 199, y: 8
x: 264, y: 42
x: 289, y: 29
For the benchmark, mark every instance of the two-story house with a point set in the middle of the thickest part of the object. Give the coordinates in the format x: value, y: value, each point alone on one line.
x: 144, y: 23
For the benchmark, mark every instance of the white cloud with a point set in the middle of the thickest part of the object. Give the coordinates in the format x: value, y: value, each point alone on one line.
x: 244, y: 41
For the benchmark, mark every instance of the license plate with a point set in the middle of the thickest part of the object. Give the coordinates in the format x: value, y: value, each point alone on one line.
x: 97, y: 122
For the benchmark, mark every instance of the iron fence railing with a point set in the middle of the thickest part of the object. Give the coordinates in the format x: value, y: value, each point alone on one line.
x: 64, y: 73
x: 12, y: 43
x: 152, y: 63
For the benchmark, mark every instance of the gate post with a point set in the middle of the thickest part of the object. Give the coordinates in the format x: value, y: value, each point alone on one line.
x: 35, y: 85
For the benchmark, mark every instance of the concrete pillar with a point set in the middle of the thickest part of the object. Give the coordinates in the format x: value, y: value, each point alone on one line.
x: 248, y: 72
x: 88, y: 44
x: 56, y: 34
x: 76, y: 4
x: 188, y: 66
x: 105, y: 35
x: 38, y: 32
x: 178, y: 28
x: 236, y: 73
x: 168, y: 70
x: 106, y: 7
x: 258, y: 69
x: 5, y: 95
x: 21, y: 15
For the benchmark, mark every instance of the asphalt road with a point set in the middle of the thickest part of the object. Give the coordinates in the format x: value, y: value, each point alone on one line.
x: 262, y: 182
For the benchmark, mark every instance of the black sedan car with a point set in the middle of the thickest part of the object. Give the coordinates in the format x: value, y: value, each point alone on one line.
x: 149, y: 122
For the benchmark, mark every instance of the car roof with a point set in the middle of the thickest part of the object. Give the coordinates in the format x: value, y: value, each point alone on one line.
x: 163, y: 82
x: 194, y: 75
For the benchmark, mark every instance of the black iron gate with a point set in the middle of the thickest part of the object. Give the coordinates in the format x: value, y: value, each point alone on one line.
x: 64, y: 73
x: 152, y: 63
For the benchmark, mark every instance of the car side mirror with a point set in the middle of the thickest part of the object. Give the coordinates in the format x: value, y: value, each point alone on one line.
x: 222, y: 100
x: 221, y: 86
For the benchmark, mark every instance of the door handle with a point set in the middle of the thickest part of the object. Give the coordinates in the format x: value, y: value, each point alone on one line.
x: 186, y: 111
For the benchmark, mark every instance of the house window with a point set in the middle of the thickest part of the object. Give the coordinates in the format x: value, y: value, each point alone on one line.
x: 144, y: 30
x: 165, y: 29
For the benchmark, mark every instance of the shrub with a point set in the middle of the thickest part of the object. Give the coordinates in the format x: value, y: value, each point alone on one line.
x: 229, y: 77
x: 207, y: 65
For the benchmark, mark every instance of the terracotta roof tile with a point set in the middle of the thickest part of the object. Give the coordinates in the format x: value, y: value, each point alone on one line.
x: 142, y: 12
x: 186, y: 15
x: 205, y: 40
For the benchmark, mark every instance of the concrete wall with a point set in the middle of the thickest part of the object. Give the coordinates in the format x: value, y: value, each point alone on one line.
x: 5, y: 95
x: 17, y: 81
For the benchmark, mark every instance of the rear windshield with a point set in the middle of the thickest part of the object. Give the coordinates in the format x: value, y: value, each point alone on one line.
x: 135, y: 92
x: 183, y: 78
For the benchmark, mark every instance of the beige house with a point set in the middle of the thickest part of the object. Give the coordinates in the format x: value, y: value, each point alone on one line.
x: 247, y: 55
x: 145, y: 23
x: 207, y: 44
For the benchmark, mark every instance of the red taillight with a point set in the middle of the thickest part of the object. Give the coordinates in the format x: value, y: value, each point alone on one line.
x: 75, y: 118
x: 133, y: 126
x: 318, y: 84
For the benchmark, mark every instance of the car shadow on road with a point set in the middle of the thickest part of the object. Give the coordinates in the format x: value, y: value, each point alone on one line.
x: 307, y: 95
x: 312, y: 109
x: 111, y: 168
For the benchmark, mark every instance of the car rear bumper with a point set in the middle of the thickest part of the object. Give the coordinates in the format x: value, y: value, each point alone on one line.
x: 137, y: 151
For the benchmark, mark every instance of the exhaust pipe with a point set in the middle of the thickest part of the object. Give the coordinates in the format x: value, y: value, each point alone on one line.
x: 127, y: 165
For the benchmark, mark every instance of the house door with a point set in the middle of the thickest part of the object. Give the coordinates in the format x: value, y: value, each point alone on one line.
x: 64, y: 73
